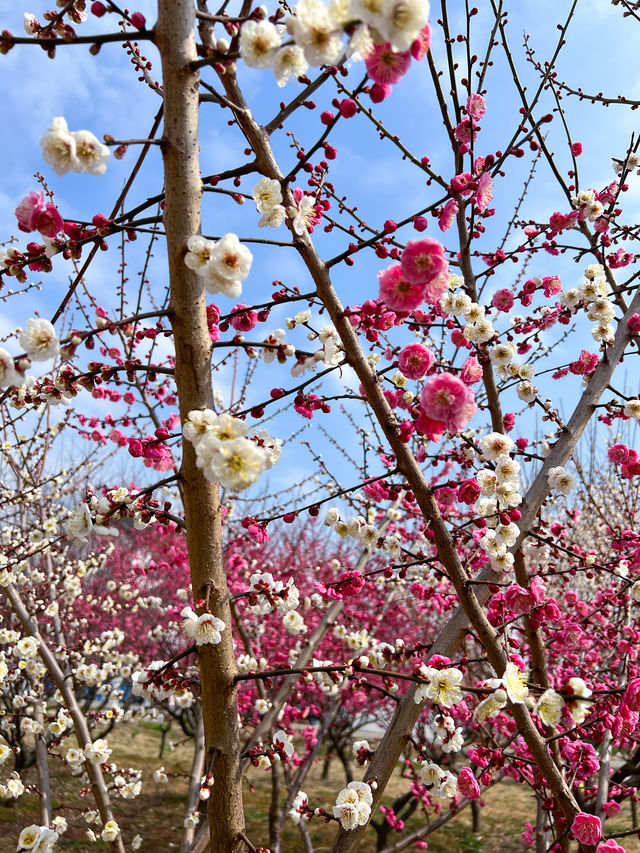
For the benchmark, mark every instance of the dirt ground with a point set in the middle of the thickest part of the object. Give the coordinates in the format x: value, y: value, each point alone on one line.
x: 157, y: 814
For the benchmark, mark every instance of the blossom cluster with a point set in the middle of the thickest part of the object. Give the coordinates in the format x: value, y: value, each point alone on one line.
x: 317, y: 31
x: 227, y: 451
x: 221, y: 264
x: 77, y: 151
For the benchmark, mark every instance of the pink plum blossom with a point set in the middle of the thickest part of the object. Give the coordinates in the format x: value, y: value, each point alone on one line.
x: 471, y: 371
x: 385, y: 66
x: 245, y: 320
x: 476, y: 107
x: 631, y: 696
x: 421, y: 45
x: 468, y: 784
x: 610, y: 846
x: 423, y: 261
x: 448, y: 214
x: 415, y: 361
x: 503, y: 299
x: 399, y: 293
x: 586, y: 828
x: 469, y: 491
x: 447, y: 399
x: 34, y: 215
x: 484, y: 193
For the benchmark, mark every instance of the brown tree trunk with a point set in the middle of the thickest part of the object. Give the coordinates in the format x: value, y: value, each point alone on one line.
x: 176, y: 43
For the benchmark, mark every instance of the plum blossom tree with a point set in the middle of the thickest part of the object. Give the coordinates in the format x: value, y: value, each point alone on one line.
x: 470, y: 591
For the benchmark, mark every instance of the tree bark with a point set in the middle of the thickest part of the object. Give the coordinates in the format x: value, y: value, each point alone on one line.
x: 176, y: 42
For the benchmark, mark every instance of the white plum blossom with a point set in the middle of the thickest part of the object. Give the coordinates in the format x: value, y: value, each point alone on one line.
x: 282, y: 742
x: 430, y: 773
x: 301, y: 214
x: 39, y: 341
x: 30, y: 23
x: 448, y: 786
x: 315, y: 30
x: 273, y: 218
x: 289, y: 61
x: 8, y: 373
x: 223, y: 451
x: 27, y: 647
x: 561, y: 480
x: 514, y: 682
x: 353, y: 805
x: 236, y: 465
x: 79, y: 524
x: 267, y: 193
x: 294, y: 623
x: 402, y: 21
x: 222, y: 265
x: 549, y: 707
x: 491, y: 706
x: 59, y: 147
x: 97, y: 752
x: 37, y: 839
x: 271, y: 447
x: 110, y: 831
x: 204, y: 629
x: 199, y: 252
x: 526, y: 391
x: 91, y: 155
x: 442, y: 687
x: 230, y: 259
x: 495, y: 445
x: 578, y: 710
x: 298, y: 806
x: 259, y: 41
x: 632, y: 409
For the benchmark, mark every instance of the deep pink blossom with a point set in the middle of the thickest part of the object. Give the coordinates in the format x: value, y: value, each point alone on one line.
x: 634, y: 323
x: 586, y: 364
x: 476, y: 107
x: 586, y: 828
x: 618, y: 454
x: 28, y: 210
x: 631, y: 696
x: 503, y: 299
x: 471, y: 371
x: 421, y: 45
x: 463, y: 131
x: 423, y: 261
x: 379, y: 92
x: 447, y: 399
x: 484, y: 193
x: 245, y: 321
x: 398, y: 293
x: 429, y: 427
x: 415, y: 361
x: 463, y: 183
x: 435, y: 289
x: 448, y: 214
x: 551, y: 285
x: 469, y: 491
x: 468, y: 784
x: 34, y: 215
x: 385, y: 66
x: 518, y: 598
x: 561, y: 221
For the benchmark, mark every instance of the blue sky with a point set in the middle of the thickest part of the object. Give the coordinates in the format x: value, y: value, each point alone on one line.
x: 102, y: 94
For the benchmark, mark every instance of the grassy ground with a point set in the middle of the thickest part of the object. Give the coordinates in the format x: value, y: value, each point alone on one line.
x: 157, y: 814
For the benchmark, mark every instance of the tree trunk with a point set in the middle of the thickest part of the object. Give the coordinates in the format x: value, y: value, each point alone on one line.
x: 176, y: 42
